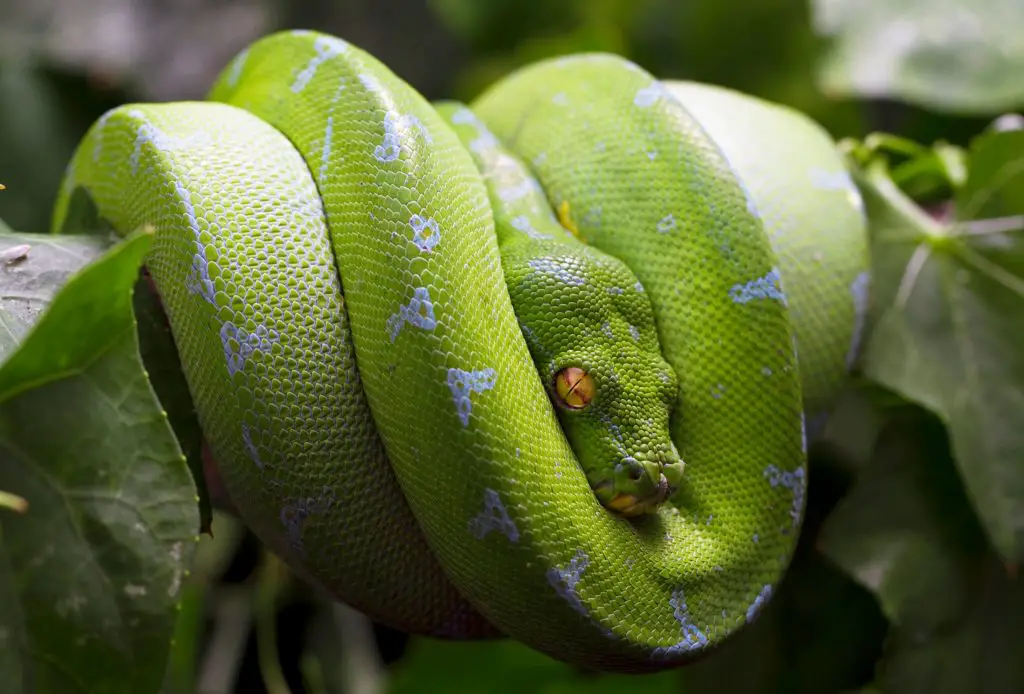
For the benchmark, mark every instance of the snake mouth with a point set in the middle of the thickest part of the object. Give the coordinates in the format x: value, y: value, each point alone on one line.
x: 631, y: 505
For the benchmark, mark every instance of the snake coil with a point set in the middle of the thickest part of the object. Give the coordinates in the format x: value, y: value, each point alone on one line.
x: 325, y: 251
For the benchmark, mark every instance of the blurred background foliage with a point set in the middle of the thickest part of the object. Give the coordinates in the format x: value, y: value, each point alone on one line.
x: 940, y: 70
x: 929, y: 69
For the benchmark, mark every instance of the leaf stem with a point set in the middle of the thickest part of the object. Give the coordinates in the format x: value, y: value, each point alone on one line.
x: 362, y: 671
x: 223, y: 655
x: 995, y: 225
x: 13, y: 502
x: 879, y: 176
x: 271, y: 582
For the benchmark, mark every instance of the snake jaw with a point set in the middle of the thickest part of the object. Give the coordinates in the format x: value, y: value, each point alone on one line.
x: 630, y: 505
x: 640, y: 486
x: 626, y: 505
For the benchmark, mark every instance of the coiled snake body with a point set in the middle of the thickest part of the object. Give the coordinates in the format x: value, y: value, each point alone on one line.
x: 327, y: 255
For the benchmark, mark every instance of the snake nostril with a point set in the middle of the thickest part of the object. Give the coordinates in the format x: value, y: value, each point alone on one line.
x: 634, y: 470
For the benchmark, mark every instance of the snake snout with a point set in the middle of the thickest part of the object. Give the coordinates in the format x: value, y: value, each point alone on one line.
x: 672, y: 466
x: 650, y: 483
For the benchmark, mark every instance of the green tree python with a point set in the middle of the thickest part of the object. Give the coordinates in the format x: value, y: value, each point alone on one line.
x: 543, y: 365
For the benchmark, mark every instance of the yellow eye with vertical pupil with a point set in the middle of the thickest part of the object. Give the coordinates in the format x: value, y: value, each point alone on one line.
x: 575, y: 387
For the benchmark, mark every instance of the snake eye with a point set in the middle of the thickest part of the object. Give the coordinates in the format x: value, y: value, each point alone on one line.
x: 575, y: 387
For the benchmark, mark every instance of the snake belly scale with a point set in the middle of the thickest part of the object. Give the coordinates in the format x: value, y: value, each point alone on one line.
x: 325, y: 250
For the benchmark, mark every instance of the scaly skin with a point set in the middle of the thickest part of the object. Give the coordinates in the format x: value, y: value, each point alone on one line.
x: 317, y: 211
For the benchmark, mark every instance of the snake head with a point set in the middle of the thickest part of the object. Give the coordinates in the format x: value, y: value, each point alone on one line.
x: 591, y: 332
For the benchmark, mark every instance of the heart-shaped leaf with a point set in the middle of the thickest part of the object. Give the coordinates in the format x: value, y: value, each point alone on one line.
x: 949, y: 322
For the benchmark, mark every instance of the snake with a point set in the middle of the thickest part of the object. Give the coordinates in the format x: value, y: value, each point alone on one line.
x: 541, y: 365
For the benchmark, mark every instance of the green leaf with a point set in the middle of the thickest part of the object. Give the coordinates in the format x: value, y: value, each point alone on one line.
x: 832, y: 628
x: 942, y: 54
x: 906, y: 531
x: 981, y: 655
x: 949, y: 323
x: 96, y: 563
x: 43, y: 263
x: 849, y: 436
x: 995, y: 184
x: 33, y: 267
